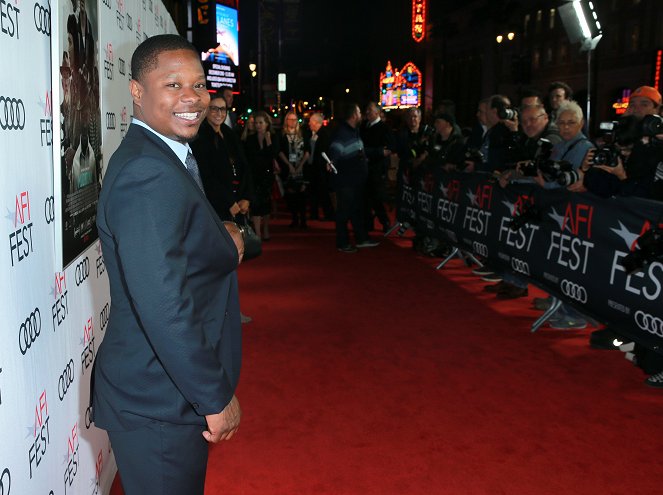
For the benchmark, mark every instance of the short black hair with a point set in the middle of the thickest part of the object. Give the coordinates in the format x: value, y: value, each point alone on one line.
x: 568, y: 92
x: 145, y: 57
x: 348, y: 109
x: 499, y: 101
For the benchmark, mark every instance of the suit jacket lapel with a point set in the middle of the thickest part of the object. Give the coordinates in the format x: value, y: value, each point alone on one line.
x: 176, y: 162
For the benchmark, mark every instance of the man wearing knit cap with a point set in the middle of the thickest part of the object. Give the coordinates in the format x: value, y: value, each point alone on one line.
x: 644, y: 101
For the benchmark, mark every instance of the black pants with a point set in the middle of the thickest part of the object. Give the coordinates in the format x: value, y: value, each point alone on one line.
x: 376, y: 196
x: 349, y: 207
x: 161, y: 459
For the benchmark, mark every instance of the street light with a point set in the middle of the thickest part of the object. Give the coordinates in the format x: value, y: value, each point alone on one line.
x: 347, y: 90
x: 582, y: 25
x: 510, y: 36
x: 252, y: 67
x: 499, y: 38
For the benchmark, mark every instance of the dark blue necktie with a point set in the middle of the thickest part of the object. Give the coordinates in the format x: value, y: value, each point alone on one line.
x: 192, y: 167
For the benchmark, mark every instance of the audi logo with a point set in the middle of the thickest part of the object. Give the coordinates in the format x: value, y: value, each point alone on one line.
x: 480, y: 249
x: 29, y: 330
x: 82, y: 271
x: 42, y: 17
x: 110, y: 120
x: 66, y: 379
x: 49, y: 210
x: 649, y: 323
x: 5, y: 479
x: 12, y: 113
x: 520, y: 266
x: 88, y: 417
x: 574, y: 291
x: 106, y: 3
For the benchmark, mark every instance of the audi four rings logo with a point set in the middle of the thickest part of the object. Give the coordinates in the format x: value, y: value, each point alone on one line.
x: 66, y: 379
x: 29, y: 330
x: 480, y: 248
x: 649, y: 323
x: 82, y: 271
x: 12, y: 113
x: 574, y: 291
x: 110, y: 120
x: 42, y: 17
x: 5, y: 482
x: 520, y: 266
x: 49, y: 210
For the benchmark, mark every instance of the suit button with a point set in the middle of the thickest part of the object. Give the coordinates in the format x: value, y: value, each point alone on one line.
x: 195, y: 405
x: 226, y: 313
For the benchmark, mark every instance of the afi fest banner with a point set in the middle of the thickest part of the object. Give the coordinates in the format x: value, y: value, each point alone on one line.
x: 571, y: 245
x: 61, y: 117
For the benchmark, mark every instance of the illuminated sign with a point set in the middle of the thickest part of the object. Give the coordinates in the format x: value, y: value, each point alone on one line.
x: 657, y: 70
x: 621, y: 105
x: 400, y: 89
x: 221, y: 64
x: 418, y: 20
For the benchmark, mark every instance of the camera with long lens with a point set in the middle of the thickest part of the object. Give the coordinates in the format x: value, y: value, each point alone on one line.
x: 651, y: 125
x: 541, y: 155
x: 561, y: 172
x: 651, y: 249
x: 615, y: 134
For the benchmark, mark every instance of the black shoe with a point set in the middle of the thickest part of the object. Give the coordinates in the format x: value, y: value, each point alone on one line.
x: 367, y: 244
x: 347, y: 249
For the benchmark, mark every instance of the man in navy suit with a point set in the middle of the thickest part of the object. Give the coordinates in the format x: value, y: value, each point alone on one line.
x: 166, y: 372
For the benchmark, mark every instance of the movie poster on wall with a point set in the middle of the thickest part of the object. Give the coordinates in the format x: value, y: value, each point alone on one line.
x: 78, y: 158
x: 221, y: 63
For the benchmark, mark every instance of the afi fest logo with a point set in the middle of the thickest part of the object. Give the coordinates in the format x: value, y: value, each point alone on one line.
x: 570, y: 247
x: 108, y: 62
x: 41, y: 436
x: 87, y: 356
x: 42, y: 17
x: 71, y: 470
x: 119, y: 14
x: 425, y: 195
x: 447, y: 203
x: 20, y: 239
x: 9, y: 19
x: 98, y: 468
x: 12, y: 113
x: 521, y: 238
x: 647, y: 282
x: 477, y: 218
x: 46, y: 124
x: 60, y: 309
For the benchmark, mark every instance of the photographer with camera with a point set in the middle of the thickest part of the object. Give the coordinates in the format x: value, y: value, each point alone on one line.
x: 631, y: 164
x: 524, y: 151
x: 501, y: 123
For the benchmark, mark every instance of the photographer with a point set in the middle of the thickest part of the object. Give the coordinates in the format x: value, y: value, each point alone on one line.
x: 445, y: 149
x: 501, y: 121
x: 633, y: 164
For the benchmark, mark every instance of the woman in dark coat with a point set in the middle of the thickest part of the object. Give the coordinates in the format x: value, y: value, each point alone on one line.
x: 261, y: 151
x: 222, y: 164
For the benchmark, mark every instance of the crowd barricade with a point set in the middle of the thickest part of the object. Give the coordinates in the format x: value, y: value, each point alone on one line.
x: 569, y: 244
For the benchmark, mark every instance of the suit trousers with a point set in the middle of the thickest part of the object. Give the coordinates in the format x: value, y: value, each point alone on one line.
x: 161, y: 459
x: 349, y: 207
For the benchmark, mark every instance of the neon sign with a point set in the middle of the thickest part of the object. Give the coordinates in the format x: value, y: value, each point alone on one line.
x: 621, y: 105
x: 418, y: 20
x: 400, y: 89
x: 657, y: 70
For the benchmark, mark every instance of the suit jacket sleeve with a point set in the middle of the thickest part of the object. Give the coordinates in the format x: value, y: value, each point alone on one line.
x: 150, y: 213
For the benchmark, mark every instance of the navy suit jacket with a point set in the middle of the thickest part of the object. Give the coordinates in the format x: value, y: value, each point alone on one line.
x: 172, y: 348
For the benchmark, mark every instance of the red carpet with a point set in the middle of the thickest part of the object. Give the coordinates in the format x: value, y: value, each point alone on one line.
x: 371, y: 373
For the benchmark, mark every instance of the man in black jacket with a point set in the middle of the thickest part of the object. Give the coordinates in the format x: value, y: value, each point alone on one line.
x: 318, y: 143
x: 378, y: 142
x: 347, y: 154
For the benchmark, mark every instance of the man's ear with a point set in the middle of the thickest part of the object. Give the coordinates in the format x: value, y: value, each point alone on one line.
x: 136, y: 91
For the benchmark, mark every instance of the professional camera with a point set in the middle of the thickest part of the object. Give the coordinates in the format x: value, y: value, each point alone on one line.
x: 473, y: 155
x: 561, y: 172
x: 651, y: 249
x: 651, y: 125
x: 614, y: 135
x: 541, y: 155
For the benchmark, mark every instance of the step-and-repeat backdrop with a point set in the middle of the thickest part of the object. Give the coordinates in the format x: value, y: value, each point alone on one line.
x: 63, y: 94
